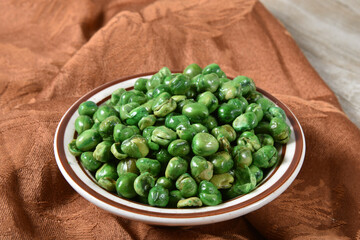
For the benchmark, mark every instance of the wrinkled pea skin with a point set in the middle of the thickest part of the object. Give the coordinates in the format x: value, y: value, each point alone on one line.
x: 158, y: 196
x: 151, y: 166
x: 222, y: 162
x: 89, y: 162
x: 176, y: 167
x: 146, y: 121
x: 250, y: 140
x: 174, y: 198
x: 143, y: 184
x: 182, y: 103
x: 252, y: 97
x: 257, y: 172
x: 106, y: 127
x: 222, y: 181
x: 209, y: 100
x: 147, y: 133
x: 180, y: 84
x: 275, y: 112
x: 239, y: 102
x: 116, y: 95
x: 245, y: 182
x: 209, y: 82
x: 160, y: 89
x: 179, y: 147
x: 127, y: 165
x: 265, y: 139
x: 196, y: 112
x: 186, y: 132
x: 192, y: 70
x: 88, y: 140
x: 87, y: 108
x: 82, y: 123
x: 165, y: 183
x: 201, y: 169
x: 103, y: 112
x: 135, y: 147
x: 186, y: 185
x: 107, y: 183
x: 199, y: 128
x: 242, y: 156
x: 229, y: 90
x: 106, y: 170
x: 163, y: 136
x: 117, y: 152
x: 125, y: 185
x: 189, y: 202
x: 204, y: 144
x: 245, y: 122
x: 209, y: 194
x: 140, y: 84
x: 163, y: 105
x: 265, y: 157
x: 246, y: 83
x: 279, y: 130
x: 173, y: 120
x: 102, y: 151
x: 136, y: 115
x: 124, y: 110
x: 73, y: 149
x: 225, y: 134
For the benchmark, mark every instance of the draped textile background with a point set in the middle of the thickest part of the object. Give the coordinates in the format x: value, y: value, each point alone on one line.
x: 53, y: 52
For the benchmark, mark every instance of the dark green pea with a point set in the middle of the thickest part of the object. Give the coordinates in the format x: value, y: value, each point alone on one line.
x: 176, y: 167
x: 140, y: 84
x: 136, y: 115
x: 250, y: 140
x: 228, y: 112
x: 239, y: 102
x: 163, y: 135
x: 115, y: 96
x: 265, y: 157
x: 257, y: 172
x: 154, y: 81
x: 246, y: 83
x: 222, y: 181
x: 87, y: 108
x: 147, y: 132
x: 174, y: 198
x: 102, y: 151
x: 125, y: 185
x: 82, y: 123
x: 186, y: 132
x: 122, y: 132
x: 103, y: 112
x: 262, y: 127
x: 143, y: 184
x: 173, y: 120
x: 245, y: 182
x: 151, y: 166
x: 160, y: 89
x: 275, y: 112
x: 88, y: 140
x: 245, y: 122
x: 242, y: 156
x: 192, y: 70
x: 73, y: 149
x: 265, y: 139
x: 210, y: 122
x: 182, y: 103
x: 204, y: 144
x: 89, y: 162
x: 163, y: 105
x: 158, y: 196
x: 179, y: 147
x: 255, y: 108
x: 127, y: 165
x: 209, y: 100
x: 135, y: 147
x: 209, y: 82
x: 212, y: 68
x: 180, y: 84
x: 225, y: 134
x: 125, y: 110
x: 199, y: 128
x: 107, y: 170
x: 107, y: 183
x: 265, y: 104
x: 196, y: 112
x: 132, y: 96
x: 189, y: 202
x: 201, y: 169
x: 164, y: 182
x: 252, y: 97
x: 164, y: 72
x: 191, y: 93
x: 279, y: 130
x: 229, y: 90
x: 186, y: 185
x: 221, y: 74
x: 222, y: 162
x: 106, y: 127
x: 149, y: 95
x: 209, y: 194
x: 163, y: 156
x: 96, y: 126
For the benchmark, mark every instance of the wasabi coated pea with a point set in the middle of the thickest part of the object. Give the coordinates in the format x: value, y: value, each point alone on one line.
x: 204, y: 144
x: 89, y: 162
x: 163, y: 136
x: 135, y: 147
x: 196, y: 112
x: 179, y: 148
x: 88, y: 140
x: 201, y: 169
x: 82, y: 123
x: 174, y: 198
x: 106, y: 127
x: 143, y: 184
x: 192, y: 70
x: 186, y: 185
x: 222, y: 162
x: 209, y: 194
x: 189, y: 202
x: 125, y: 185
x: 151, y: 166
x: 73, y: 149
x: 164, y: 182
x: 222, y: 181
x: 158, y: 196
x: 87, y: 108
x: 176, y: 167
x: 265, y: 157
x: 245, y: 122
x: 127, y: 165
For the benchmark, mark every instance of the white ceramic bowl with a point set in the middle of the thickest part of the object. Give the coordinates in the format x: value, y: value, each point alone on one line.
x: 276, y: 181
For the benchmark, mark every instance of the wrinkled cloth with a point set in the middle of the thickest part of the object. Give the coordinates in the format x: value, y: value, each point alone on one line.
x: 53, y: 52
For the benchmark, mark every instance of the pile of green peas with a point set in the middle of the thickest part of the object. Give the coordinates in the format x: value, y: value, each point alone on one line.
x: 181, y: 139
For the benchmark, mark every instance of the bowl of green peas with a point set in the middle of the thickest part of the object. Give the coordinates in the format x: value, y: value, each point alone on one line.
x: 180, y: 148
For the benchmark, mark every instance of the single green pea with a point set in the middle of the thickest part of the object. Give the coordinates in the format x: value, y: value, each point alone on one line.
x: 140, y: 84
x: 186, y: 132
x: 106, y: 127
x: 245, y: 182
x: 73, y: 149
x: 213, y: 68
x: 163, y: 135
x: 122, y: 132
x: 196, y: 112
x: 125, y: 110
x: 209, y: 194
x: 107, y: 183
x: 143, y: 184
x: 189, y: 202
x: 136, y: 115
x: 163, y: 156
x: 228, y: 112
x: 192, y: 70
x: 174, y: 198
x: 209, y: 100
x: 127, y: 165
x: 149, y: 95
x: 180, y: 84
x: 165, y: 182
x: 222, y: 181
x: 104, y: 112
x: 222, y: 162
x: 176, y: 167
x: 275, y: 112
x: 239, y: 102
x: 252, y: 97
x: 256, y: 108
x: 88, y: 140
x: 89, y: 162
x: 265, y: 139
x: 173, y: 120
x: 201, y: 169
x: 182, y: 103
x: 151, y: 166
x: 209, y: 82
x: 265, y: 104
x: 82, y: 123
x: 229, y: 90
x: 116, y: 95
x: 106, y: 170
x: 158, y: 196
x: 179, y: 147
x: 87, y: 108
x: 135, y: 147
x: 245, y: 122
x: 160, y: 89
x: 146, y: 121
x: 102, y: 151
x: 210, y: 122
x: 204, y: 144
x: 257, y: 172
x: 242, y: 156
x: 246, y: 83
x: 250, y: 140
x: 164, y: 72
x: 279, y: 130
x: 186, y: 185
x: 125, y: 185
x: 163, y: 105
x: 265, y: 157
x: 199, y: 128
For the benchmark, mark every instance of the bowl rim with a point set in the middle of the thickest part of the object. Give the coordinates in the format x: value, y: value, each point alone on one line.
x: 156, y: 217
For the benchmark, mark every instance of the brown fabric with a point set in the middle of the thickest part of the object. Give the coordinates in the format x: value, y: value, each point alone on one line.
x: 53, y: 52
